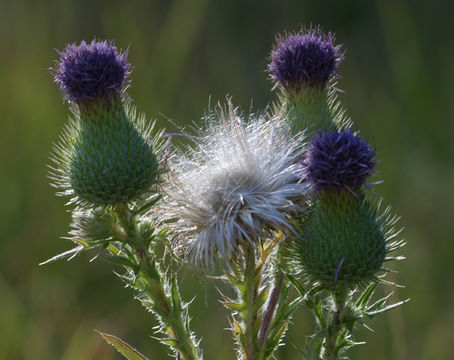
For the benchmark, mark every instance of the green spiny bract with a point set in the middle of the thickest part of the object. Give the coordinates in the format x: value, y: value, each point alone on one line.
x: 313, y: 110
x: 94, y: 226
x: 106, y: 157
x: 309, y: 110
x: 343, y: 241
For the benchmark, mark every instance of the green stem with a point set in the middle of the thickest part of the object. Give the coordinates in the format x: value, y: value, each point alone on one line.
x: 249, y: 297
x: 333, y: 328
x: 273, y: 300
x: 151, y: 275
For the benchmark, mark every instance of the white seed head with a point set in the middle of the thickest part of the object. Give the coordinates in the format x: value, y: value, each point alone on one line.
x: 238, y: 182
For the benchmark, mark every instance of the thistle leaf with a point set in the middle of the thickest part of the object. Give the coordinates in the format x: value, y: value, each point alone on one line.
x: 127, y: 351
x: 318, y: 311
x: 235, y: 282
x: 120, y: 260
x: 176, y: 299
x: 171, y: 342
x: 147, y: 206
x: 378, y: 304
x: 260, y: 300
x: 235, y: 306
x: 314, y: 348
x: 67, y: 254
x: 273, y: 341
x: 297, y: 285
x: 385, y: 308
x: 366, y: 295
x: 236, y: 328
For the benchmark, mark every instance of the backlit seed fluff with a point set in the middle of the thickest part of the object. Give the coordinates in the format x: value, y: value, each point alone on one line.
x: 239, y: 181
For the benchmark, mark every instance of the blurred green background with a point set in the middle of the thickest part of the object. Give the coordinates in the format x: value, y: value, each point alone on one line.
x: 397, y: 76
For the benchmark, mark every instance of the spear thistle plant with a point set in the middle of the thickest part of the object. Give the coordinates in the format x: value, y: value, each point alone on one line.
x: 342, y: 240
x: 274, y: 204
x: 107, y: 162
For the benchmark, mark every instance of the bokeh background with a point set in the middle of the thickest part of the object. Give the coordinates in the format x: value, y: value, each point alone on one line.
x: 397, y: 77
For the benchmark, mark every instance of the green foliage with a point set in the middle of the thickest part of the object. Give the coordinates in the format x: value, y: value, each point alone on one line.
x: 262, y: 306
x: 126, y: 240
x: 337, y: 315
x: 283, y: 313
x: 123, y: 348
x: 157, y: 291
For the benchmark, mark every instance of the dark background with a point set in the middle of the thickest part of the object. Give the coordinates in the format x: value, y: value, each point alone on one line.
x: 397, y: 76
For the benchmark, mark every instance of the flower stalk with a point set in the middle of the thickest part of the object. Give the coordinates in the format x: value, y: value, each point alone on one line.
x: 245, y: 277
x: 262, y: 307
x: 249, y: 297
x: 334, y: 327
x: 272, y: 303
x: 171, y: 315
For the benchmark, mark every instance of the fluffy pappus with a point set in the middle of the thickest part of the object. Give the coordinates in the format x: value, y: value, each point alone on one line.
x: 238, y: 181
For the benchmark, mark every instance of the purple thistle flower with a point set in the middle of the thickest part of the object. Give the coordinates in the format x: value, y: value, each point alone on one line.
x: 89, y: 71
x: 338, y: 159
x: 307, y: 58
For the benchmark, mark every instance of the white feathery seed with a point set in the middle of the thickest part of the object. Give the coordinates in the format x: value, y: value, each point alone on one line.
x: 236, y: 183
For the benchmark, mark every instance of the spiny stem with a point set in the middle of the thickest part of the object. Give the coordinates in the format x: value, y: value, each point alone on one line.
x: 273, y: 299
x: 332, y: 331
x: 152, y: 277
x: 249, y: 298
x: 269, y: 311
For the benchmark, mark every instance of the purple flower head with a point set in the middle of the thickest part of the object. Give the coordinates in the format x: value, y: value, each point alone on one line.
x: 89, y: 71
x: 338, y: 160
x: 306, y: 58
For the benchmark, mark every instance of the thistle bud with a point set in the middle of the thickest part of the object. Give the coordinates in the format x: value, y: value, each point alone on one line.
x: 301, y: 65
x: 93, y: 226
x: 105, y: 157
x: 343, y: 242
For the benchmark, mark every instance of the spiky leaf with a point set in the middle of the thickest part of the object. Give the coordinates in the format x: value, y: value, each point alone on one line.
x: 123, y: 348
